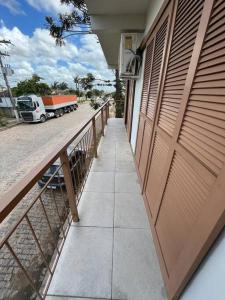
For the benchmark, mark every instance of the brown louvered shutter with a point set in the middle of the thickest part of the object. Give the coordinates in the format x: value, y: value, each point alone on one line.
x: 153, y: 72
x: 185, y: 30
x: 203, y: 130
x: 147, y: 71
x: 185, y: 184
x: 156, y: 69
x: 182, y: 44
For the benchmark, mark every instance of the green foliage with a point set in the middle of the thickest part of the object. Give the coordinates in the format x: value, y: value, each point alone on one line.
x: 87, y: 82
x: 69, y: 23
x: 79, y: 93
x: 31, y: 86
x: 119, y: 96
x: 63, y: 86
x: 98, y: 93
x: 95, y: 104
x: 89, y: 94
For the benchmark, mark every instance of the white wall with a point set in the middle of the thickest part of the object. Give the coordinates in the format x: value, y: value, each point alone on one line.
x: 5, y: 102
x: 209, y: 281
x: 137, y: 103
x: 153, y: 9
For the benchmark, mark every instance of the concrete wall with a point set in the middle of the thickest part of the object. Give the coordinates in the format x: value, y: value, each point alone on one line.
x: 137, y: 103
x: 5, y: 102
x: 153, y: 9
x: 209, y: 281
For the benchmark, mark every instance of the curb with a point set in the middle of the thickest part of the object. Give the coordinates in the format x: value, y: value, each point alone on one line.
x: 10, y: 126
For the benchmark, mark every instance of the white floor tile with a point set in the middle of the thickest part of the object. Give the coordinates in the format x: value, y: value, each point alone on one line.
x: 136, y: 272
x: 85, y: 265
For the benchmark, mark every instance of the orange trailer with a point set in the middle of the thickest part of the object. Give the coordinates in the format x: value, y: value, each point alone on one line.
x: 55, y: 100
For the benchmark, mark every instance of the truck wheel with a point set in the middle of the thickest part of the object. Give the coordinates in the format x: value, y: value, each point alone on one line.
x: 57, y: 113
x: 61, y: 111
x: 68, y: 109
x: 43, y: 118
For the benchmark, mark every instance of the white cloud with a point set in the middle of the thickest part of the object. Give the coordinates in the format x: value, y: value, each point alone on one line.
x: 39, y: 54
x: 51, y: 6
x: 13, y: 6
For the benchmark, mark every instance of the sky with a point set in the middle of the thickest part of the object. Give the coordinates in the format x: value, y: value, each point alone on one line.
x: 34, y: 50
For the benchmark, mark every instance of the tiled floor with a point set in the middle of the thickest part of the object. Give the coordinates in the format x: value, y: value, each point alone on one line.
x: 110, y: 254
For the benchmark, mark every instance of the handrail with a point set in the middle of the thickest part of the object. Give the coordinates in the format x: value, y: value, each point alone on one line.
x: 11, y: 198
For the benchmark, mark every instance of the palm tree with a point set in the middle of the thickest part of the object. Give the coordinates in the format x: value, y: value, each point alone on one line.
x: 55, y: 86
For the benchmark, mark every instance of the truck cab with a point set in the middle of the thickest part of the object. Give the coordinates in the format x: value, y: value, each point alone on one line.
x: 31, y: 109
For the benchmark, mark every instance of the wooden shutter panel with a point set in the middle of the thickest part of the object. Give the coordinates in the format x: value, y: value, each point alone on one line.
x: 184, y: 34
x: 203, y: 130
x: 147, y: 71
x: 156, y: 69
x: 158, y: 161
x: 173, y: 89
x: 186, y: 193
x: 153, y: 72
x: 139, y: 140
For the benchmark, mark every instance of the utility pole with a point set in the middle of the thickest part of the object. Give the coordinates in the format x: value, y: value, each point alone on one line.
x: 4, y: 73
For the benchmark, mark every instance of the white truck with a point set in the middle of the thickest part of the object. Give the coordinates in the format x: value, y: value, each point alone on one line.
x: 34, y: 109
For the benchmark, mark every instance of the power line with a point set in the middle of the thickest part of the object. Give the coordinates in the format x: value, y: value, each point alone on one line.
x: 6, y: 70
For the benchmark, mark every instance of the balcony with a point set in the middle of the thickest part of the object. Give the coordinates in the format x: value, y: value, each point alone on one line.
x: 109, y: 253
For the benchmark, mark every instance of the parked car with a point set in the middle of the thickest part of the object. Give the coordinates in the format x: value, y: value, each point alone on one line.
x: 77, y: 167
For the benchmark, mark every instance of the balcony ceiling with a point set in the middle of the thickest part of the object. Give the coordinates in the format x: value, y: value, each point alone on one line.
x: 114, y: 7
x: 110, y: 18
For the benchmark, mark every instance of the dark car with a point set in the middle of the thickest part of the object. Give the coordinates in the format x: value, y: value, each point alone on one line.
x: 77, y: 160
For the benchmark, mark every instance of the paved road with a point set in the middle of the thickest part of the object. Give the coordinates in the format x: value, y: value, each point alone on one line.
x: 23, y: 146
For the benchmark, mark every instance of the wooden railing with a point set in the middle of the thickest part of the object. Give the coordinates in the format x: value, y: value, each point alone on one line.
x: 49, y: 196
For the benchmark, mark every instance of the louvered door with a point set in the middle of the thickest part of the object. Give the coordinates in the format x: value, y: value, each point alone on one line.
x: 152, y: 78
x: 184, y: 187
x: 182, y: 44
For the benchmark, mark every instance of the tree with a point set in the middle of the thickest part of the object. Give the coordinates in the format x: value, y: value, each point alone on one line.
x: 63, y: 86
x: 55, y: 85
x: 79, y: 93
x: 98, y: 93
x: 89, y: 94
x: 77, y: 81
x: 77, y: 22
x: 31, y: 86
x: 119, y: 96
x: 87, y: 83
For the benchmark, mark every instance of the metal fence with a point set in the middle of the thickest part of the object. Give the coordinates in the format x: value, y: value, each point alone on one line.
x: 29, y: 251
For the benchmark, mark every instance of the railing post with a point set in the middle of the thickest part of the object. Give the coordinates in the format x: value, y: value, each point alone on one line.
x: 106, y: 119
x: 102, y: 118
x: 94, y: 137
x: 69, y: 185
x: 107, y: 110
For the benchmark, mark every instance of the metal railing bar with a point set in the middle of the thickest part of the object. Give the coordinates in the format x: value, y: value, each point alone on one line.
x: 7, y: 236
x: 38, y: 244
x: 65, y: 205
x: 29, y: 278
x: 49, y: 225
x: 57, y: 210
